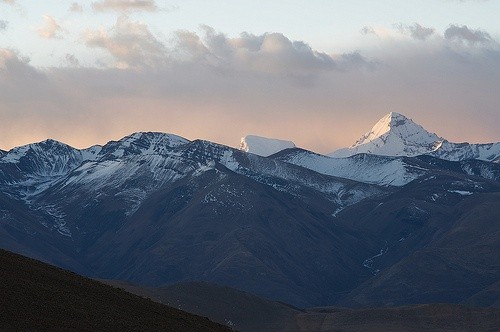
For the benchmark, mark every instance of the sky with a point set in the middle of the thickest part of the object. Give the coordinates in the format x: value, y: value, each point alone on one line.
x: 320, y: 73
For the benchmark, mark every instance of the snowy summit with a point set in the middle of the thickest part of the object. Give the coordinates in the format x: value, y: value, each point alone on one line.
x: 393, y: 135
x: 263, y: 146
x: 397, y: 135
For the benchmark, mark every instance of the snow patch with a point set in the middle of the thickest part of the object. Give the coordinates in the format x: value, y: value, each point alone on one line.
x: 461, y: 192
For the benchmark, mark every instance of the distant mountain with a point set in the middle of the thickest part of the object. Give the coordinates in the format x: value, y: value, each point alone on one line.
x: 162, y: 202
x: 366, y: 168
x: 43, y: 159
x: 142, y: 143
x: 263, y: 146
x: 397, y: 135
x: 40, y: 297
x: 156, y: 209
x: 385, y: 170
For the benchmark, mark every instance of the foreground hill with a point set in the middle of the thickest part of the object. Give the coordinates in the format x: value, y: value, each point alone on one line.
x: 37, y: 296
x: 225, y: 305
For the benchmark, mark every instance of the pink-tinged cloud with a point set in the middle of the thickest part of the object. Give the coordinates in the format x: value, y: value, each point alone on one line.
x: 131, y: 44
x: 50, y: 29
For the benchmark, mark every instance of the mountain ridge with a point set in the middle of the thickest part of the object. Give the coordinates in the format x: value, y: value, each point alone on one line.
x: 296, y: 226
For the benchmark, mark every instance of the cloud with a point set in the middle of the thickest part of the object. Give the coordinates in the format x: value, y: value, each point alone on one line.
x: 416, y: 31
x: 76, y: 8
x: 368, y: 30
x: 269, y: 52
x: 51, y: 29
x: 130, y: 43
x: 9, y: 2
x: 3, y: 25
x: 464, y: 34
x: 125, y: 5
x: 265, y: 84
x: 72, y: 60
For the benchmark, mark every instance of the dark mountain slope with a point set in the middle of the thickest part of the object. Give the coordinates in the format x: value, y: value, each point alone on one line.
x: 447, y: 258
x: 221, y: 227
x: 23, y: 231
x: 37, y: 296
x: 488, y: 297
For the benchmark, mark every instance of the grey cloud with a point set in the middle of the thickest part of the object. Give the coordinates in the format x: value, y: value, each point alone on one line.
x: 464, y: 34
x: 17, y: 76
x: 368, y: 30
x: 131, y: 44
x: 76, y: 8
x: 416, y: 31
x: 270, y: 53
x: 354, y: 60
x: 125, y: 5
x: 72, y: 60
x: 3, y: 25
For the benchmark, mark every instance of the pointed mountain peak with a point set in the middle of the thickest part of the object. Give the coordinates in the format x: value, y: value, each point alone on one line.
x: 394, y: 119
x: 264, y: 146
x: 393, y: 135
x: 392, y: 123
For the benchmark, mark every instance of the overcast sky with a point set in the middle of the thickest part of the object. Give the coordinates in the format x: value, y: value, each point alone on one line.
x: 317, y: 72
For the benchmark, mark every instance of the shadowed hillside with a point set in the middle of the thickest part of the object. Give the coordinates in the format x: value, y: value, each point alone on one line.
x: 37, y: 296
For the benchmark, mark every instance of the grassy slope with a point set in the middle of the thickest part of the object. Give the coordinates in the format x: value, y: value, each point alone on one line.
x: 37, y: 296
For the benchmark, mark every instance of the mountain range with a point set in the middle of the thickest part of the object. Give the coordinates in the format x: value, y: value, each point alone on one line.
x: 401, y: 217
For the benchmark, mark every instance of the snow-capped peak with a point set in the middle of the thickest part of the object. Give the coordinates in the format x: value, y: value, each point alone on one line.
x: 45, y: 158
x: 264, y: 146
x: 46, y: 147
x: 393, y: 135
x: 143, y: 143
